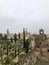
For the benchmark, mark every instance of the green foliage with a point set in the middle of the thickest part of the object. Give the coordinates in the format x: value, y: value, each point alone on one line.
x: 1, y: 36
x: 5, y: 37
x: 7, y: 61
x: 15, y: 37
x: 26, y: 45
x: 19, y: 35
x: 23, y: 37
x: 12, y: 55
x: 21, y: 56
x: 11, y: 40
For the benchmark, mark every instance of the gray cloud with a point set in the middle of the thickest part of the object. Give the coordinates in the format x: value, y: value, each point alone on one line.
x: 33, y: 14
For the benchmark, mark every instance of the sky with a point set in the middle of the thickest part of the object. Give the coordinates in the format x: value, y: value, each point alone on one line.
x: 30, y: 14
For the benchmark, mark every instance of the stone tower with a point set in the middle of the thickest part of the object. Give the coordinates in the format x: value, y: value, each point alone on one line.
x: 7, y: 32
x: 41, y: 32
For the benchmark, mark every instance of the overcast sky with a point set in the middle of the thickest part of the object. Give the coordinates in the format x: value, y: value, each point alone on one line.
x: 31, y: 14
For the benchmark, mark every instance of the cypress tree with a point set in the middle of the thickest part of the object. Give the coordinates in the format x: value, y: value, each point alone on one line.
x: 15, y: 39
x: 23, y: 37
